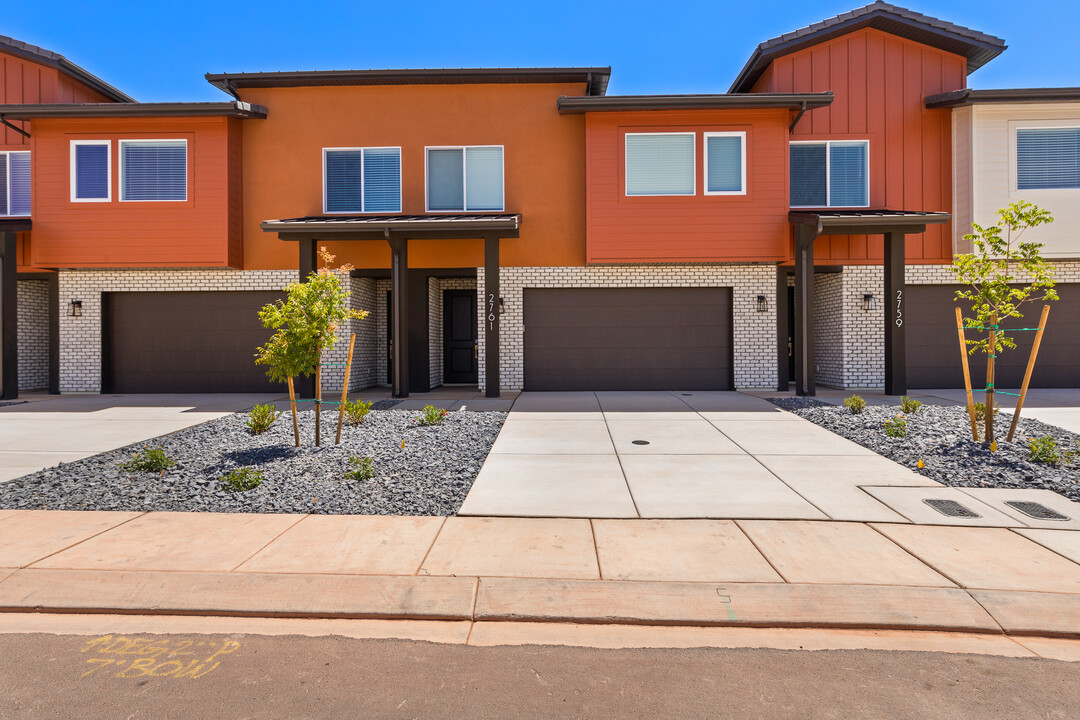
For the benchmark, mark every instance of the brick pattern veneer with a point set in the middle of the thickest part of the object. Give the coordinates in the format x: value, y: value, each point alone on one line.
x: 755, y: 332
x: 33, y: 342
x: 828, y: 328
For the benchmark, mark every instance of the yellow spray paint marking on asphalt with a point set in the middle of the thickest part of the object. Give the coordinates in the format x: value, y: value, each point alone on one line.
x: 176, y: 658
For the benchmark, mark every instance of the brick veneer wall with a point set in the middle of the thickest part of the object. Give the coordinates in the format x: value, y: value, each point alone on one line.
x: 33, y: 341
x: 755, y: 332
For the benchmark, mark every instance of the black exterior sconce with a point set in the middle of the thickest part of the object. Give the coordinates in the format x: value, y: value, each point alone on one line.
x: 502, y: 306
x: 762, y: 304
x: 75, y: 308
x: 868, y: 302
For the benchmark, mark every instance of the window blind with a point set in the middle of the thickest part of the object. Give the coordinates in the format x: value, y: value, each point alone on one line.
x: 847, y: 174
x: 1047, y: 158
x: 382, y: 180
x: 446, y: 179
x: 660, y: 164
x: 4, y: 184
x: 483, y: 178
x: 723, y: 159
x: 344, y: 181
x: 808, y: 173
x: 19, y: 183
x: 154, y: 170
x: 91, y: 172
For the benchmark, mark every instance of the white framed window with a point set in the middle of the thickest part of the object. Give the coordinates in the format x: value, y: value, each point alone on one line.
x: 362, y: 180
x: 1048, y: 158
x: 464, y: 178
x: 660, y: 163
x: 15, y: 183
x: 91, y: 170
x: 829, y: 173
x: 725, y: 163
x: 153, y: 170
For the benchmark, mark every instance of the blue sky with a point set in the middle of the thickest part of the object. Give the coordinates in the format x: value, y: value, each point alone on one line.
x: 154, y: 54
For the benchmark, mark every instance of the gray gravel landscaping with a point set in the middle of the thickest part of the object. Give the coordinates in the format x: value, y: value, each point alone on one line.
x: 418, y: 470
x: 941, y: 437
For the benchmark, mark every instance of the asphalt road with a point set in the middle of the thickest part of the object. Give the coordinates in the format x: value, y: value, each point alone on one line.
x: 244, y: 676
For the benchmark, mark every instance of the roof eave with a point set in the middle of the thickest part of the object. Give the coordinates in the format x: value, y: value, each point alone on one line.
x: 967, y: 96
x: 732, y: 101
x: 235, y: 109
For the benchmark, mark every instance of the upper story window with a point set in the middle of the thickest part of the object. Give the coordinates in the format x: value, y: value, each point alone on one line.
x: 91, y: 171
x: 15, y: 183
x: 660, y: 164
x: 358, y: 180
x: 465, y: 178
x: 831, y: 173
x: 1047, y: 158
x: 153, y: 170
x: 725, y: 163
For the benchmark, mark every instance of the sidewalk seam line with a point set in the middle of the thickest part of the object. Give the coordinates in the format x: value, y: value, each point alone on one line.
x: 760, y: 551
x: 596, y: 549
x: 1045, y: 547
x: 430, y: 547
x: 618, y: 459
x: 271, y: 541
x: 987, y: 611
x: 476, y: 596
x: 927, y: 563
x: 142, y: 513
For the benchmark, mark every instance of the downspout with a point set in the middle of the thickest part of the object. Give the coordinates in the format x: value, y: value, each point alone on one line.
x: 802, y: 110
x: 14, y: 127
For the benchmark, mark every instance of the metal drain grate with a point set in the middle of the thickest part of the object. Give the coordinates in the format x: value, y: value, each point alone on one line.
x: 951, y: 508
x: 640, y: 442
x: 1035, y: 510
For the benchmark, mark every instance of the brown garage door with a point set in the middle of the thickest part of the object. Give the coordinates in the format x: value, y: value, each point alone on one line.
x: 628, y: 339
x: 170, y: 342
x: 933, y: 349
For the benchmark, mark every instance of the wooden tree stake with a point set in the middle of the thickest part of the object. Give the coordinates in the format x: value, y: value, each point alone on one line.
x: 295, y: 419
x: 967, y: 375
x: 318, y: 399
x: 345, y: 390
x: 991, y: 355
x: 1027, y: 373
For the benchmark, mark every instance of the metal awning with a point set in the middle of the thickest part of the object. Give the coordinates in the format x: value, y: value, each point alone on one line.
x: 866, y: 222
x: 460, y: 226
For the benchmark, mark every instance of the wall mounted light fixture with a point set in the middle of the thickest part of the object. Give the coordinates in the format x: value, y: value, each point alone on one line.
x: 762, y: 304
x: 502, y: 306
x: 868, y: 302
x: 75, y: 308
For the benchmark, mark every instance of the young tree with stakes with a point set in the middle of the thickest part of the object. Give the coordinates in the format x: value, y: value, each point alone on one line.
x: 306, y: 324
x: 996, y: 272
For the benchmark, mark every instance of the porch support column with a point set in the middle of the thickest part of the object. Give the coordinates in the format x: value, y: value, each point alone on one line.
x: 399, y: 292
x: 805, y: 382
x: 491, y: 307
x: 9, y: 318
x: 895, y: 315
x: 782, y: 379
x: 54, y: 333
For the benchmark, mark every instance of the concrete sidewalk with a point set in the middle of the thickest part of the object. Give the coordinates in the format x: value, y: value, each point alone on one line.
x: 706, y: 573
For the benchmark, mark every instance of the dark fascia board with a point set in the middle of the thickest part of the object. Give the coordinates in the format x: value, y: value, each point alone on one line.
x: 866, y: 221
x: 967, y: 96
x: 413, y: 223
x: 729, y: 101
x: 595, y: 78
x: 61, y: 63
x: 979, y: 48
x: 235, y: 109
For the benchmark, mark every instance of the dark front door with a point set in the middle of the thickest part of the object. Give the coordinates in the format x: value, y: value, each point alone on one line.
x: 459, y: 337
x: 791, y: 333
x: 389, y: 338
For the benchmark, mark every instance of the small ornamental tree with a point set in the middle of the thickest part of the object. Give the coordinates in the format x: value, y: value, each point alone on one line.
x: 996, y: 272
x: 306, y: 324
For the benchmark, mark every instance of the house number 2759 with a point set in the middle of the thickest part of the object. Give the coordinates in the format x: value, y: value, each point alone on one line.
x: 899, y: 308
x: 491, y: 312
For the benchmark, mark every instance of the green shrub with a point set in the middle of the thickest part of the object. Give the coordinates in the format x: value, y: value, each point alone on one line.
x: 241, y: 480
x: 431, y: 415
x: 909, y: 406
x: 896, y: 427
x: 363, y: 468
x: 149, y: 460
x: 356, y: 411
x: 855, y: 404
x: 1044, y: 450
x: 261, y: 418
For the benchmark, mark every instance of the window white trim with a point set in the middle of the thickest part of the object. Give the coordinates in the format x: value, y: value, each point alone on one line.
x: 828, y: 170
x: 141, y: 141
x: 108, y: 171
x: 6, y: 210
x: 362, y: 211
x: 693, y: 166
x: 464, y: 176
x: 1014, y: 154
x: 705, y: 161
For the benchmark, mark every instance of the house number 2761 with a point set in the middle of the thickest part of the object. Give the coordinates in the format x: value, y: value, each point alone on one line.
x: 899, y: 308
x: 491, y: 312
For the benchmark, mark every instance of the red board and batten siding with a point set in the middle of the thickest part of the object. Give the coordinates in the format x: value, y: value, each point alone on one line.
x: 191, y: 233
x: 880, y: 83
x: 693, y: 228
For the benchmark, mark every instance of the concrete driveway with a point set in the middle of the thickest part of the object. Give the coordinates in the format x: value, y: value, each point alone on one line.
x: 51, y: 429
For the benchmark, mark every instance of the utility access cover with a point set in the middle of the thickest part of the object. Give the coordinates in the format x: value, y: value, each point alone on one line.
x: 1036, y: 510
x: 951, y: 508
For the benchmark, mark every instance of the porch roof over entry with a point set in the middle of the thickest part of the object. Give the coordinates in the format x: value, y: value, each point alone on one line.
x: 366, y: 226
x: 867, y: 222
